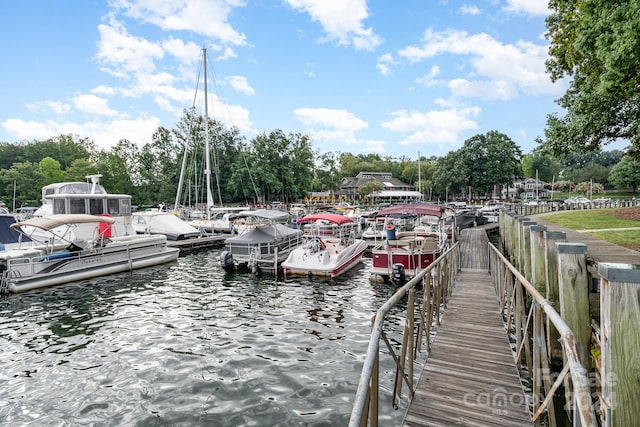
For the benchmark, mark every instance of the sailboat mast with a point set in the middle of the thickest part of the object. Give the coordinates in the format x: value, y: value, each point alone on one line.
x: 419, y: 177
x: 207, y: 167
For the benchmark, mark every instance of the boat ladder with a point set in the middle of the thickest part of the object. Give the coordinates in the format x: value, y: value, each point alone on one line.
x: 253, y: 259
x: 4, y: 282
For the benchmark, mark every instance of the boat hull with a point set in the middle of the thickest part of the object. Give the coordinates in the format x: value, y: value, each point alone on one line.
x: 332, y: 261
x: 120, y: 255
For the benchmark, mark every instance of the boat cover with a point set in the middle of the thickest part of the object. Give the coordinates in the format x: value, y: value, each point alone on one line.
x: 414, y: 209
x: 265, y: 234
x: 52, y: 221
x: 8, y: 234
x: 271, y: 214
x: 331, y: 217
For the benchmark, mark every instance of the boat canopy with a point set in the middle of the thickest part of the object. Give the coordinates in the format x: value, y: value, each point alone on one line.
x: 414, y: 209
x: 331, y: 217
x: 48, y: 223
x: 271, y: 214
x: 264, y: 235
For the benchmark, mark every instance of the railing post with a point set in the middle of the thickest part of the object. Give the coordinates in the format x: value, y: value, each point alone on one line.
x: 525, y: 251
x: 538, y: 259
x: 574, y: 294
x: 551, y: 291
x: 620, y: 342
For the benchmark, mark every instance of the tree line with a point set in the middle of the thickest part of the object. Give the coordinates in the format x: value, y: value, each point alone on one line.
x: 278, y: 166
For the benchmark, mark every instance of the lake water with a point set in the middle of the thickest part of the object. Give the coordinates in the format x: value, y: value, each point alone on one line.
x: 186, y: 344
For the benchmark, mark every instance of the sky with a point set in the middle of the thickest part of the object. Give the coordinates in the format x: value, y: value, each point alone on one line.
x: 394, y: 78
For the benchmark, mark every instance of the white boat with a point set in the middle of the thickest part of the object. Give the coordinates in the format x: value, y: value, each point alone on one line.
x: 374, y: 230
x: 404, y: 253
x: 261, y: 248
x: 218, y: 220
x: 89, y: 198
x: 165, y: 223
x: 248, y: 220
x: 59, y: 260
x: 330, y: 248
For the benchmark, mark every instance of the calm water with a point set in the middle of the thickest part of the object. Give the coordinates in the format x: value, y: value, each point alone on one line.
x: 185, y: 344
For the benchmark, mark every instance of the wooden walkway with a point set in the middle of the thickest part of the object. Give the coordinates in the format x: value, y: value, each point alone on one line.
x: 470, y: 377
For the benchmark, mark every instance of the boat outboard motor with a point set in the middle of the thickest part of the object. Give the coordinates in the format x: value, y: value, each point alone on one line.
x: 226, y: 261
x: 398, y: 276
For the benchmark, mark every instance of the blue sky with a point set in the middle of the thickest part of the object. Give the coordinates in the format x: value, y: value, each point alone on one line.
x: 395, y: 78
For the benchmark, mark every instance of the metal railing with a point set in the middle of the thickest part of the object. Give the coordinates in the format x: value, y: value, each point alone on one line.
x: 436, y: 281
x: 517, y: 296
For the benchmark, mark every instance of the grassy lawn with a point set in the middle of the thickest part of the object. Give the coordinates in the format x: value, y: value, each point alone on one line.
x: 626, y: 238
x: 590, y: 219
x: 600, y: 219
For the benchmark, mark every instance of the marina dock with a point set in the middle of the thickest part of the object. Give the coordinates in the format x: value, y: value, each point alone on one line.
x: 470, y: 377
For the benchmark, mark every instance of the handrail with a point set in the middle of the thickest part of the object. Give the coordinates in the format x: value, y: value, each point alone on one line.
x: 448, y: 261
x: 581, y: 394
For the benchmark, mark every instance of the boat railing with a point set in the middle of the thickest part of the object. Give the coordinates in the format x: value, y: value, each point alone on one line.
x: 435, y: 282
x: 517, y: 296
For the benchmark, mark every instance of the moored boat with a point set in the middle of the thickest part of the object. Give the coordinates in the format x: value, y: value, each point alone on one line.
x: 59, y: 260
x: 165, y: 223
x: 403, y: 254
x: 329, y: 249
x: 261, y: 248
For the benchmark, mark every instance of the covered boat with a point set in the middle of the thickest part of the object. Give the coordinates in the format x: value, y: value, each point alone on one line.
x: 248, y: 220
x: 404, y: 253
x: 165, y: 223
x: 329, y: 249
x: 260, y: 248
x: 59, y: 260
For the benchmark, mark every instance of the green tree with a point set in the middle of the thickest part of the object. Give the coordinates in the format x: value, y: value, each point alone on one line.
x: 118, y: 167
x: 546, y: 166
x: 26, y: 179
x: 369, y: 188
x: 595, y: 44
x: 158, y: 169
x: 79, y: 169
x: 327, y: 175
x: 50, y: 171
x: 490, y: 159
x: 626, y: 174
x: 450, y: 175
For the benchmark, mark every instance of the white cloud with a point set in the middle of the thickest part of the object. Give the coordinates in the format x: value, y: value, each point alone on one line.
x: 105, y: 134
x: 428, y: 80
x: 497, y: 70
x: 529, y: 7
x: 91, y: 104
x: 384, y: 64
x: 341, y: 20
x: 241, y: 84
x: 57, y: 107
x: 469, y: 10
x: 121, y: 54
x: 442, y: 128
x: 208, y: 17
x: 342, y: 125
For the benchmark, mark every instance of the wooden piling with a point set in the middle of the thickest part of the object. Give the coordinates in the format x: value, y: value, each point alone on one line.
x: 538, y: 258
x: 620, y: 342
x: 551, y: 290
x: 573, y: 281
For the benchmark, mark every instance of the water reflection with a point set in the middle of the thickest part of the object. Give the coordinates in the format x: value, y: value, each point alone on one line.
x: 187, y: 344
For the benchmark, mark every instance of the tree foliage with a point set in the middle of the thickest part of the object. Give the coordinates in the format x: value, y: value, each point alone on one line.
x: 546, y: 166
x: 596, y: 44
x: 626, y: 174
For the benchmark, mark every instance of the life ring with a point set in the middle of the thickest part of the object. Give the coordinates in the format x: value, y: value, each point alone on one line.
x: 390, y: 226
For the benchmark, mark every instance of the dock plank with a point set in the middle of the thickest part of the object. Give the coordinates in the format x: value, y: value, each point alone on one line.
x: 470, y: 377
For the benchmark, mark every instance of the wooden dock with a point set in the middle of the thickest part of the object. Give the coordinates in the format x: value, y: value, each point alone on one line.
x: 470, y: 377
x: 205, y: 242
